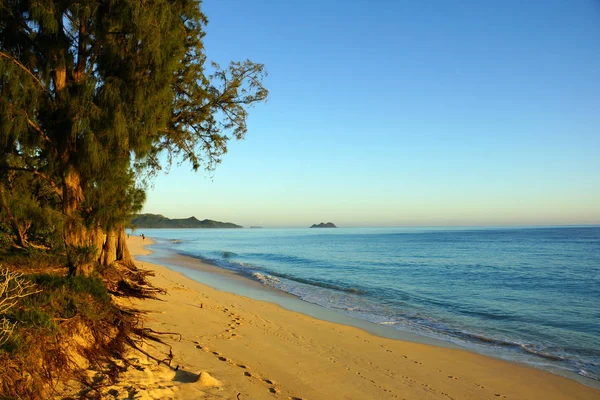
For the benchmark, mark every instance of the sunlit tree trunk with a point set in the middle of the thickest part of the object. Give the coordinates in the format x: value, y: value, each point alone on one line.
x: 123, y: 254
x: 75, y: 234
x: 97, y: 238
x: 109, y: 252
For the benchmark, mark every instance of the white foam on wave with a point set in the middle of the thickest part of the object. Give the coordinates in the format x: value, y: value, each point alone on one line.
x: 266, y: 279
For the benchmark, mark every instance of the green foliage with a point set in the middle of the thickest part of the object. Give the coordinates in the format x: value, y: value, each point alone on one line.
x: 81, y: 255
x: 33, y: 318
x: 31, y: 259
x: 6, y: 239
x: 31, y: 203
x: 75, y: 285
x: 12, y: 345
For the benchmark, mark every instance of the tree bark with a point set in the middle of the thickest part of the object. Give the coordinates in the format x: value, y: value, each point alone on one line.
x: 60, y: 77
x: 109, y: 252
x: 81, y: 51
x: 13, y: 222
x: 123, y: 254
x: 75, y: 233
x: 97, y: 239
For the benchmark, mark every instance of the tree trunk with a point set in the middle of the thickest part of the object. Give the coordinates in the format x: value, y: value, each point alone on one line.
x: 60, y: 78
x: 122, y: 251
x: 97, y: 239
x: 75, y: 234
x: 13, y: 222
x: 109, y: 252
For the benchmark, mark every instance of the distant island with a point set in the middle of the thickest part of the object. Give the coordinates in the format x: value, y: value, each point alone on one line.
x: 324, y: 225
x: 160, y: 221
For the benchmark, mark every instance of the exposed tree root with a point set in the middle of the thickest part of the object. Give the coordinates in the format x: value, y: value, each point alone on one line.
x: 127, y: 280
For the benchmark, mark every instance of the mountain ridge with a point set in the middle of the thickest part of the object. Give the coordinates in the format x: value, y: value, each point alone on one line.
x: 159, y: 221
x: 324, y: 225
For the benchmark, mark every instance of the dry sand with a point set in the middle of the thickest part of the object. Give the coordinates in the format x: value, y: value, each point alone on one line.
x: 235, y: 347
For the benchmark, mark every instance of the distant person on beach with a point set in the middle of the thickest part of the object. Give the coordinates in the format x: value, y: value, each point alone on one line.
x: 143, y: 237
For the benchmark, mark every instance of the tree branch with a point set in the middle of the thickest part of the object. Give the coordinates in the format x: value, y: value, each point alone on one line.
x: 24, y: 68
x: 39, y: 130
x: 41, y: 175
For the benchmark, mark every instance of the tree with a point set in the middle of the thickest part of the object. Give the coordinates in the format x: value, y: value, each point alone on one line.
x: 92, y: 90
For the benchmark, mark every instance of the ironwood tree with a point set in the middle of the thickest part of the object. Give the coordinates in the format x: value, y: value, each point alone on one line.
x: 94, y: 92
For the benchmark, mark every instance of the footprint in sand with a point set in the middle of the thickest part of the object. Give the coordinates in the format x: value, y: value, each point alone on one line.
x: 273, y: 386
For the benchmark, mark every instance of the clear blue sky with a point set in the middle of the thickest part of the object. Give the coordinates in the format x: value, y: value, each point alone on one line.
x: 391, y: 113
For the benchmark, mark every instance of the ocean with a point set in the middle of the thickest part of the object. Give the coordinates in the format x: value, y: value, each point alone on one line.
x: 526, y: 295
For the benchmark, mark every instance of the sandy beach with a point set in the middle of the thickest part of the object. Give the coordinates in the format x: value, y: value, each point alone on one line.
x: 233, y: 347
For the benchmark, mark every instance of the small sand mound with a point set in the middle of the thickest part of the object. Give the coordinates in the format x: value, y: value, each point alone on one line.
x: 207, y: 380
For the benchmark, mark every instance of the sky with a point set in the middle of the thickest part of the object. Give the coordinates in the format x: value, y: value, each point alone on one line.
x: 405, y: 113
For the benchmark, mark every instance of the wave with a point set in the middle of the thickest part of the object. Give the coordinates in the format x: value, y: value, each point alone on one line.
x: 244, y: 267
x: 489, y: 340
x: 321, y: 284
x: 543, y: 354
x: 228, y: 254
x: 266, y: 279
x: 283, y: 258
x: 583, y: 372
x: 528, y: 348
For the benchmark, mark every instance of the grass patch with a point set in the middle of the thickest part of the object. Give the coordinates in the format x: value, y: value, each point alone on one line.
x: 32, y: 260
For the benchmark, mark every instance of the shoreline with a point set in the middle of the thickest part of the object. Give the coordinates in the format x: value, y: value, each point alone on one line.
x: 243, y: 286
x: 232, y: 281
x: 326, y: 359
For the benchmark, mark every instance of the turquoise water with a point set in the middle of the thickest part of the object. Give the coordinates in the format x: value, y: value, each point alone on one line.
x: 528, y: 295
